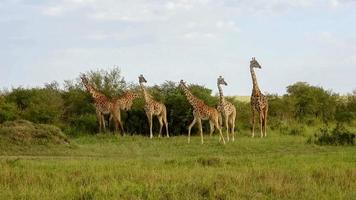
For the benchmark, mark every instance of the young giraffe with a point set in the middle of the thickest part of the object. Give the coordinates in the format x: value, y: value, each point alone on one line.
x: 124, y: 102
x: 152, y: 108
x: 103, y: 105
x: 201, y: 112
x: 227, y: 110
x: 259, y: 102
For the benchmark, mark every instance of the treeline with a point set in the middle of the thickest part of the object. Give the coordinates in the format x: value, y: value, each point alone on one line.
x: 70, y: 106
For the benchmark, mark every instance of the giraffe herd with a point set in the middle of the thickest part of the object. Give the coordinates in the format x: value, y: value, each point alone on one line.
x: 225, y: 110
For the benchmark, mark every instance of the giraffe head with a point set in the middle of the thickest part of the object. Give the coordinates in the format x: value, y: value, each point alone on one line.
x: 84, y: 78
x: 221, y: 81
x: 182, y: 83
x: 141, y: 79
x: 254, y: 63
x: 85, y: 81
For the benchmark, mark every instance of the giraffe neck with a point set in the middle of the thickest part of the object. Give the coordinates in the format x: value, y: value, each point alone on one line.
x: 93, y: 92
x: 222, y: 98
x: 191, y: 98
x: 146, y: 96
x: 125, y: 102
x: 255, y: 89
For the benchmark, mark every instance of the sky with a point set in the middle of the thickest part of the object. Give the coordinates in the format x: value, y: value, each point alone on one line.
x: 196, y: 40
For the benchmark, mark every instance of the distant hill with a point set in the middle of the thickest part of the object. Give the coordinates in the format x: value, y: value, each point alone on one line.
x: 243, y: 98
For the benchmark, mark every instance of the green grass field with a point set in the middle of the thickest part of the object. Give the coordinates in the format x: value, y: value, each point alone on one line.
x: 110, y: 167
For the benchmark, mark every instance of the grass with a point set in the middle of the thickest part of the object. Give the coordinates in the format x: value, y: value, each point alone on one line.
x: 110, y: 167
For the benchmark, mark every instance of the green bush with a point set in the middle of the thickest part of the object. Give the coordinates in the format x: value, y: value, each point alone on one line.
x: 72, y: 109
x: 338, y: 136
x: 39, y: 105
x: 85, y: 123
x: 292, y: 128
x: 8, y: 111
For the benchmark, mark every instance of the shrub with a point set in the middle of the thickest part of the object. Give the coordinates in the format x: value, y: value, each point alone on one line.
x: 291, y: 128
x: 85, y: 123
x: 338, y: 136
x: 8, y: 111
x: 21, y: 132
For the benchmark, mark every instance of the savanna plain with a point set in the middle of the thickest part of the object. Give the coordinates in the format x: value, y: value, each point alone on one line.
x: 107, y: 166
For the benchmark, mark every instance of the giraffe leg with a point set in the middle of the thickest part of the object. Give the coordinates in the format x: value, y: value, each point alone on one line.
x: 261, y: 123
x: 149, y: 117
x: 103, y: 122
x: 227, y: 127
x: 120, y: 122
x: 265, y: 121
x: 216, y: 122
x: 166, y: 124
x: 211, y: 128
x: 253, y: 123
x: 190, y: 127
x: 201, y: 131
x: 117, y: 121
x: 98, y: 117
x: 232, y: 122
x: 160, y: 120
x: 220, y: 120
x: 110, y: 119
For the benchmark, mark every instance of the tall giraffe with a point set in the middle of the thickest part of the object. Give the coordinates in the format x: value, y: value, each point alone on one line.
x: 227, y: 110
x: 259, y: 102
x: 123, y: 102
x: 153, y: 108
x: 103, y: 105
x: 201, y: 111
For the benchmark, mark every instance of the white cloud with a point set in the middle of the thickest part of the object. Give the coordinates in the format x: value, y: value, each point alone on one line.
x: 53, y: 10
x: 227, y: 25
x: 199, y: 35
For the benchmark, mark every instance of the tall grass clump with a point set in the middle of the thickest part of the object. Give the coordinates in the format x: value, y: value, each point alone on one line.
x: 22, y: 132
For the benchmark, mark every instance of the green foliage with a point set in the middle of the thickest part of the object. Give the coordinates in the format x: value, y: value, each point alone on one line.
x: 338, y: 136
x: 312, y: 101
x: 243, y: 113
x: 110, y: 82
x: 8, y: 111
x: 292, y: 128
x: 71, y: 107
x: 40, y: 105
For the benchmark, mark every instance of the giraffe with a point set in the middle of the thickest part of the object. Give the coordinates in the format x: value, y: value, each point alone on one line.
x: 201, y: 112
x: 259, y: 102
x: 153, y: 108
x: 226, y: 109
x: 103, y: 105
x: 124, y: 102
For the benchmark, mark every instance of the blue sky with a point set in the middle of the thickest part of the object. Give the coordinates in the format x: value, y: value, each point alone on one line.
x: 194, y: 40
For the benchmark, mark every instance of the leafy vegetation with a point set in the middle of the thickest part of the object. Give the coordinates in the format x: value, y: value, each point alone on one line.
x: 37, y: 161
x: 70, y: 107
x: 338, y: 136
